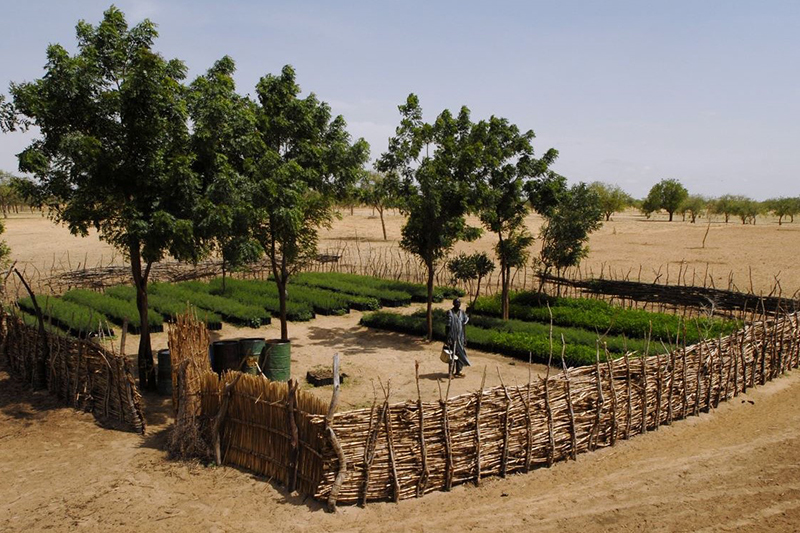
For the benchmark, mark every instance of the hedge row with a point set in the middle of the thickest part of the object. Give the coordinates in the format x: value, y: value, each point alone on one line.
x: 513, y: 344
x: 118, y: 311
x: 233, y: 311
x: 344, y: 283
x: 297, y: 312
x: 417, y: 291
x: 166, y: 306
x: 76, y: 319
x: 602, y: 317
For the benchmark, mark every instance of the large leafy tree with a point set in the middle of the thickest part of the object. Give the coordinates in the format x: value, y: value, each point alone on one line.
x: 224, y: 144
x: 113, y: 150
x: 570, y: 215
x: 667, y: 194
x: 305, y: 162
x: 612, y: 198
x: 506, y: 162
x: 436, y: 163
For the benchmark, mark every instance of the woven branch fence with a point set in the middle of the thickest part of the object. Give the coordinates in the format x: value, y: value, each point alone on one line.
x: 394, y: 451
x: 79, y: 372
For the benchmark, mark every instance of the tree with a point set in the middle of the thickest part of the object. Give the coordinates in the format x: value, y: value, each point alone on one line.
x: 435, y: 164
x: 724, y: 205
x: 668, y: 195
x: 783, y: 207
x: 746, y: 209
x: 694, y: 205
x: 505, y: 163
x: 611, y: 197
x: 305, y: 162
x: 380, y: 192
x: 471, y: 268
x: 571, y: 214
x: 113, y: 151
x: 10, y: 197
x: 224, y: 146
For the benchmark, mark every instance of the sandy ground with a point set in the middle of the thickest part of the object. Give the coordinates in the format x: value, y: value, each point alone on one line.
x: 737, y: 468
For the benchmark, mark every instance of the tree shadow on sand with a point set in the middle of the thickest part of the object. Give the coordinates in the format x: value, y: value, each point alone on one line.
x: 365, y: 340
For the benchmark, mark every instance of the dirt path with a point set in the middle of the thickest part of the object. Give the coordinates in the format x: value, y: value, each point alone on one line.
x: 736, y: 469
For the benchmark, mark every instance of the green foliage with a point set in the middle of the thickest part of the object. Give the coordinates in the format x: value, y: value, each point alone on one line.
x: 118, y: 311
x: 359, y: 285
x: 436, y: 165
x: 783, y: 207
x: 724, y: 205
x: 76, y: 319
x: 512, y: 338
x: 599, y: 316
x: 168, y: 307
x: 471, y: 269
x: 380, y: 191
x: 667, y: 194
x: 746, y: 209
x: 571, y: 214
x: 295, y: 311
x: 304, y: 161
x: 231, y: 310
x: 611, y: 197
x: 694, y: 205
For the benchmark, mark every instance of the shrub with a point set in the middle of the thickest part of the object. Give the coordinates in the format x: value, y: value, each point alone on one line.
x: 602, y: 317
x: 231, y: 310
x: 76, y: 319
x: 168, y: 307
x: 118, y: 311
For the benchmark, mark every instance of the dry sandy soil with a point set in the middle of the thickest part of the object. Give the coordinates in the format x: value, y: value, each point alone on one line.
x: 737, y: 468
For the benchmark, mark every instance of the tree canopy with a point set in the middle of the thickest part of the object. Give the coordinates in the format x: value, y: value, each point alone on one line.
x: 611, y: 197
x: 113, y: 151
x: 667, y: 194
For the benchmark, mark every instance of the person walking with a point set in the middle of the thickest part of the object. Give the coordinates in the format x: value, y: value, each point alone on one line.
x: 456, y: 339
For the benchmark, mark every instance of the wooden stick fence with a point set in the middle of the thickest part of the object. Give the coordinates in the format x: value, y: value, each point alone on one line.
x: 80, y: 372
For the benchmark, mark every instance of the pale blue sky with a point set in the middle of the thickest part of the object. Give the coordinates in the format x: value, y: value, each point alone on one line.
x: 629, y: 92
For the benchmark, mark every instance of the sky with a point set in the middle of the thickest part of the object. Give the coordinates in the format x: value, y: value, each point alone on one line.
x: 628, y: 92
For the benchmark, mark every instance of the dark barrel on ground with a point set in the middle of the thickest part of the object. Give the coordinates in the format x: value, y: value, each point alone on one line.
x: 164, y: 372
x: 225, y: 355
x: 276, y: 360
x: 250, y: 350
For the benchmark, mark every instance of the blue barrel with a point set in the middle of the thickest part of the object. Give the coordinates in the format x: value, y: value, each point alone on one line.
x: 164, y: 373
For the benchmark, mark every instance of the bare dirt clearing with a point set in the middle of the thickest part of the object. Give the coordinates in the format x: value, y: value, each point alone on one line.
x: 733, y: 469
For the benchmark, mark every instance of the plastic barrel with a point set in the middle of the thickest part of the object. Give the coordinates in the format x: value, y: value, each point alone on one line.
x: 164, y: 373
x: 250, y: 350
x: 276, y: 360
x: 225, y: 355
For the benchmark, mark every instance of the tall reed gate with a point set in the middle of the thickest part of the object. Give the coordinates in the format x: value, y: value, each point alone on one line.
x: 394, y: 451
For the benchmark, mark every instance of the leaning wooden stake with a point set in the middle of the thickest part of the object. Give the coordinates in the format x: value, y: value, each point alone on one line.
x: 506, y: 417
x: 423, y: 476
x: 593, y: 435
x: 629, y: 395
x: 570, y: 411
x: 479, y: 400
x: 334, y: 440
x: 613, y: 394
x: 220, y: 418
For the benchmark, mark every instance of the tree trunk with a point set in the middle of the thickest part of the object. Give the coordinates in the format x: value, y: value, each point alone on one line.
x: 281, y: 281
x: 670, y: 216
x: 383, y: 224
x: 477, y: 292
x: 147, y: 374
x: 430, y: 302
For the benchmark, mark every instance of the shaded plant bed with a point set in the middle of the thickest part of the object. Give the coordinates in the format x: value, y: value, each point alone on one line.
x: 417, y: 291
x: 344, y: 283
x: 77, y: 320
x: 168, y: 307
x: 116, y: 310
x: 604, y: 318
x: 231, y: 310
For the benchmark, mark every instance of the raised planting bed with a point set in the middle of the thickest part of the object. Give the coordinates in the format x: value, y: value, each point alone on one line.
x: 168, y: 307
x: 514, y: 344
x: 418, y: 291
x: 296, y: 312
x: 604, y: 318
x: 319, y: 301
x: 334, y: 282
x: 116, y: 310
x: 231, y: 310
x: 75, y: 319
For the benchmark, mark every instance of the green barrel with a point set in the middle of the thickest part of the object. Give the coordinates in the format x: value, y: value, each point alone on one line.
x: 164, y: 373
x: 276, y: 360
x: 250, y: 350
x: 225, y: 355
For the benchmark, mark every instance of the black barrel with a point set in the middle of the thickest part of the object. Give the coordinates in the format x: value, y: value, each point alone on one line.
x: 250, y: 351
x: 225, y: 355
x: 164, y: 373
